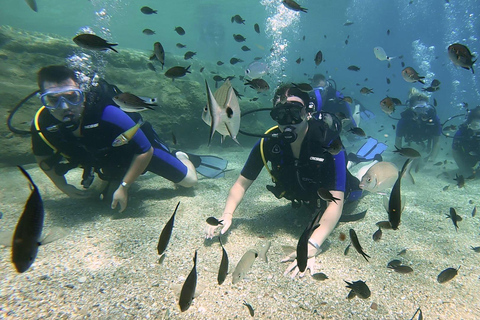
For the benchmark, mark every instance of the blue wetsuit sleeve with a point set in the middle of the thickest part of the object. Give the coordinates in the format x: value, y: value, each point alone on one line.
x: 340, y: 171
x: 122, y: 122
x: 254, y: 164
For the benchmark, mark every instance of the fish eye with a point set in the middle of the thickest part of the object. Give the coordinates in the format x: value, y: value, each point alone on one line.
x: 369, y: 180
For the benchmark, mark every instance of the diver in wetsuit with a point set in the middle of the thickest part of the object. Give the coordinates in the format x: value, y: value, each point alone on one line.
x: 466, y: 144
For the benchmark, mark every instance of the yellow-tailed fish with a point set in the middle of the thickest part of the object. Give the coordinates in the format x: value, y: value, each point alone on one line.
x: 126, y: 136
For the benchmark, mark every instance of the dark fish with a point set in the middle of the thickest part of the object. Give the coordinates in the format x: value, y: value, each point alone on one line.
x: 460, y: 180
x: 346, y: 41
x: 214, y: 221
x: 174, y: 138
x: 388, y: 81
x: 410, y: 75
x: 320, y: 276
x: 235, y: 60
x: 245, y: 48
x: 179, y: 45
x: 305, y: 87
x: 403, y: 64
x: 302, y: 245
x: 419, y: 311
x: 388, y: 32
x: 384, y: 224
x: 397, y: 101
x: 26, y: 238
x: 32, y: 4
x: 402, y: 252
x: 256, y: 27
x: 439, y: 163
x: 430, y: 89
x: 401, y: 269
x: 347, y: 249
x: 258, y: 84
x: 201, y: 69
x: 148, y: 10
x: 299, y: 60
x: 189, y: 55
x: 435, y: 102
x: 93, y: 42
x: 455, y: 217
x: 239, y: 38
x: 351, y: 295
x: 180, y: 30
x: 219, y: 63
x: 461, y: 56
x: 177, y: 72
x: 254, y: 99
x: 366, y: 90
x: 435, y: 83
x: 476, y: 249
x: 394, y: 263
x: 148, y: 32
x: 335, y: 147
x: 474, y: 211
x: 303, y: 38
x: 223, y: 270
x: 394, y: 205
x: 353, y: 68
x: 326, y: 195
x: 356, y: 244
x: 166, y: 233
x: 151, y: 66
x: 238, y: 19
x: 188, y: 288
x: 292, y: 5
x: 377, y: 235
x: 361, y: 289
x: 249, y: 307
x: 358, y: 131
x: 159, y: 53
x: 446, y: 188
x: 408, y: 152
x: 447, y: 275
x: 218, y: 78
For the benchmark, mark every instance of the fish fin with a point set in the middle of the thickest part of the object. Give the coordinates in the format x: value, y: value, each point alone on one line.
x: 110, y: 47
x: 212, y: 106
x: 25, y: 173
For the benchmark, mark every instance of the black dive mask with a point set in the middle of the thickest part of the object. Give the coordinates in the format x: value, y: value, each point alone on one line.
x: 288, y: 113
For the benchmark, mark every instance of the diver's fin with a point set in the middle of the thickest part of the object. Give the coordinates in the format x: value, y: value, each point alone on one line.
x: 366, y: 114
x: 371, y: 150
x: 209, y: 166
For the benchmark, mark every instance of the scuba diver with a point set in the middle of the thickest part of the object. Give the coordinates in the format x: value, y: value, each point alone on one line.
x: 419, y: 123
x: 466, y: 144
x: 307, y: 158
x: 85, y: 129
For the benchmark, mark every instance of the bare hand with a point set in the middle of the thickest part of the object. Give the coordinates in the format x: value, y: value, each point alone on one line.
x: 226, y: 223
x: 293, y: 267
x: 120, y: 196
x: 75, y: 193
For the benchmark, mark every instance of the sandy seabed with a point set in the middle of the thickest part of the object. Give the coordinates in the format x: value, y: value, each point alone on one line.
x: 106, y: 267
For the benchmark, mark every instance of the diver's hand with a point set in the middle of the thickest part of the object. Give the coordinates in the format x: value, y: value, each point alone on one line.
x: 74, y: 193
x: 226, y: 223
x: 293, y: 267
x: 120, y: 196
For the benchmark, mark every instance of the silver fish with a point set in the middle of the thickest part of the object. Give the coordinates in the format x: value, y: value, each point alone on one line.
x: 129, y: 102
x: 262, y: 253
x: 244, y: 265
x: 188, y: 289
x: 222, y: 112
x: 382, y: 175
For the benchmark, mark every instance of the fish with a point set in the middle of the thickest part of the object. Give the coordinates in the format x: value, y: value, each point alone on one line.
x: 256, y: 69
x: 384, y: 224
x: 93, y: 42
x: 379, y: 177
x: 351, y: 295
x: 407, y: 152
x: 397, y: 101
x: 189, y: 286
x: 366, y: 90
x: 461, y: 56
x: 360, y: 288
x: 388, y: 80
x: 348, y: 99
x: 380, y: 54
x: 174, y: 138
x: 28, y: 231
x: 258, y: 84
x: 262, y: 253
x: 396, y: 204
x: 402, y: 252
x: 394, y: 263
x: 474, y: 211
x: 177, y: 72
x: 32, y: 4
x: 299, y: 60
x: 410, y: 75
x: 401, y: 269
x: 353, y: 68
x: 320, y: 276
x: 346, y: 41
x: 460, y: 180
x: 238, y: 19
x: 347, y: 249
x: 358, y: 131
x: 222, y: 112
x: 388, y: 32
x: 125, y: 137
x: 129, y: 102
x: 219, y: 63
x: 249, y: 307
x: 239, y: 38
x: 256, y: 27
x: 148, y: 32
x: 356, y: 244
x: 402, y: 64
x: 348, y: 23
x: 214, y: 221
x: 167, y: 233
x: 302, y: 245
x: 292, y: 5
x: 419, y: 311
x: 245, y: 48
x: 387, y: 105
x: 148, y: 10
x: 447, y: 275
x: 159, y: 53
x: 326, y: 195
x: 377, y: 235
x: 189, y: 55
x: 223, y: 270
x: 180, y: 45
x: 244, y: 265
x: 235, y: 60
x: 455, y: 217
x: 476, y: 249
x: 180, y: 30
x: 305, y: 87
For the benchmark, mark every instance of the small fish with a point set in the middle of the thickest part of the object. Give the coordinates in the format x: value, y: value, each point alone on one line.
x: 28, y: 231
x: 254, y: 99
x: 410, y: 75
x: 388, y: 80
x: 348, y: 23
x: 125, y: 137
x: 245, y: 48
x: 201, y: 69
x: 366, y: 90
x: 351, y: 295
x: 346, y: 41
x: 353, y: 68
x: 360, y: 287
x: 348, y: 99
x: 347, y: 249
x: 435, y: 102
x: 408, y: 152
x: 223, y: 270
x: 446, y: 188
x: 474, y: 211
x: 180, y: 30
x: 239, y: 38
x: 148, y: 32
x: 93, y: 42
x: 188, y: 288
x: 461, y: 56
x: 388, y: 32
x: 158, y: 53
x: 460, y: 180
x: 401, y: 269
x: 326, y: 195
x: 258, y: 84
x: 189, y: 55
x: 419, y: 311
x: 394, y: 263
x: 387, y: 105
x: 177, y: 72
x: 219, y: 63
x: 214, y: 221
x: 455, y: 217
x: 249, y: 307
x: 356, y: 244
x: 166, y: 233
x: 335, y: 147
x: 262, y: 253
x: 256, y: 27
x: 380, y: 54
x: 302, y: 245
x: 292, y: 5
x: 377, y: 235
x: 395, y: 204
x: 476, y: 249
x: 447, y: 275
x: 238, y: 19
x: 256, y: 69
x: 299, y: 60
x: 244, y: 265
x: 174, y: 138
x: 402, y: 252
x: 384, y: 224
x: 148, y: 10
x: 320, y: 276
x: 129, y: 102
x: 235, y: 61
x: 151, y: 67
x: 32, y: 4
x: 358, y: 131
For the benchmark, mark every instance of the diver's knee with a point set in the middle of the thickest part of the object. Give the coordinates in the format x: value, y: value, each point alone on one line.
x: 190, y: 179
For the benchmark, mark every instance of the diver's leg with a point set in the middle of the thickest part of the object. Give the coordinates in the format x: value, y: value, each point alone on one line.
x: 177, y: 169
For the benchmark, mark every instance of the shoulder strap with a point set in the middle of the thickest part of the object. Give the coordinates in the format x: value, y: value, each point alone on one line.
x: 263, y: 153
x: 40, y: 133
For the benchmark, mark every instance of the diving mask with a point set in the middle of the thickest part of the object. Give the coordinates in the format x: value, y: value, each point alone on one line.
x: 474, y: 125
x: 288, y: 113
x: 53, y: 99
x: 424, y: 111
